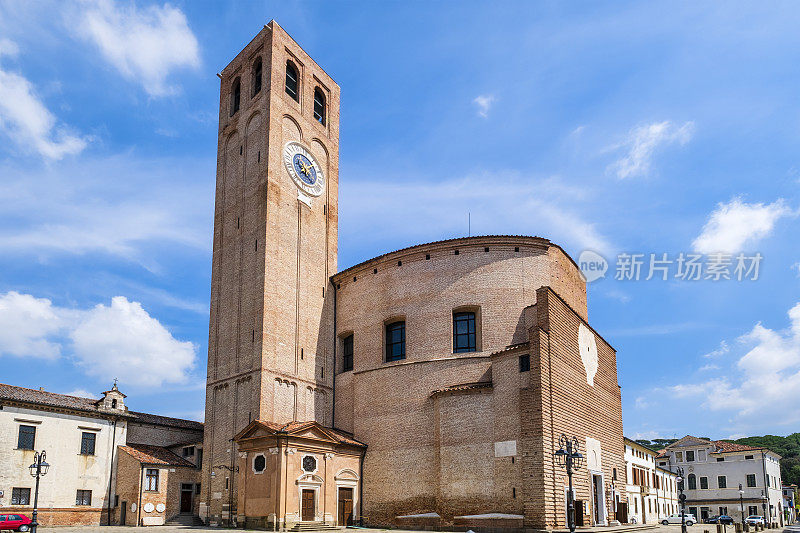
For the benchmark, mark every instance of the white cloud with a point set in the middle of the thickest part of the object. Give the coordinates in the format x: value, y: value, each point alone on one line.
x: 123, y: 340
x: 796, y: 267
x: 83, y: 393
x: 26, y: 326
x: 762, y: 388
x: 144, y: 45
x: 499, y: 203
x: 122, y: 206
x: 484, y: 104
x: 642, y: 143
x: 26, y: 121
x: 708, y: 368
x: 117, y: 341
x: 720, y: 351
x: 735, y: 225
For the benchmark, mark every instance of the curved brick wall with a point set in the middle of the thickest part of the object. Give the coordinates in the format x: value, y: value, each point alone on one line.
x: 390, y: 405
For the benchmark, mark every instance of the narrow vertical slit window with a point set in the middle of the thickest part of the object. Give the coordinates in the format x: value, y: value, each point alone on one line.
x: 319, y: 106
x: 236, y: 95
x: 347, y: 353
x: 256, y: 77
x: 291, y: 81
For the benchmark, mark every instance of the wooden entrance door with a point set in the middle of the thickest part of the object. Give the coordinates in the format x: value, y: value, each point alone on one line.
x: 307, y: 505
x: 186, y: 501
x: 345, y: 507
x: 123, y: 513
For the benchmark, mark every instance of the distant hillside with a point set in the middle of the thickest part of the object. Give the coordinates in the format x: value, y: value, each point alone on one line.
x: 786, y: 447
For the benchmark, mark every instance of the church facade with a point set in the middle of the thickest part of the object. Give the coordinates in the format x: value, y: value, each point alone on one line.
x: 426, y: 387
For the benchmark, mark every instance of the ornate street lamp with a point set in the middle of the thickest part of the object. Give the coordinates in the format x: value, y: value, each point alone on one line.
x: 741, y: 503
x: 682, y: 499
x: 38, y: 469
x: 568, y: 456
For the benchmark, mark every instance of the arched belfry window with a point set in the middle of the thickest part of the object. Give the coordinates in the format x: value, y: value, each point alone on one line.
x: 256, y: 77
x: 291, y: 81
x: 236, y: 95
x: 319, y: 106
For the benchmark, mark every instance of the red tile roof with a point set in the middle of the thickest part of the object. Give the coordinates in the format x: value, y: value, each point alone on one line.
x: 155, y: 455
x: 725, y: 446
x: 465, y: 386
x: 147, y: 418
x: 295, y: 427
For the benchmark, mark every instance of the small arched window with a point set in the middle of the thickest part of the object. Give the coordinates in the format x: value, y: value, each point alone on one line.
x: 256, y: 77
x: 291, y: 81
x: 114, y: 403
x: 692, y: 482
x: 236, y: 95
x: 319, y: 106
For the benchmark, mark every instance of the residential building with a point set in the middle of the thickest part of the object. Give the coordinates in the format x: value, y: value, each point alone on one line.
x: 84, y: 440
x: 726, y: 478
x: 789, y: 503
x: 652, y: 489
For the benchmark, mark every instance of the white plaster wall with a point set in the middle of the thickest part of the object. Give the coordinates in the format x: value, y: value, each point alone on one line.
x: 60, y: 435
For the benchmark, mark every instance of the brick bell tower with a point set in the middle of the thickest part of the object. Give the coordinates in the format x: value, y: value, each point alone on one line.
x: 270, y: 344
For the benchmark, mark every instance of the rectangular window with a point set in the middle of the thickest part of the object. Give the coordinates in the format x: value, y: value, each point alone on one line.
x: 27, y: 437
x: 679, y: 456
x: 395, y: 341
x: 748, y: 457
x: 722, y: 482
x: 464, y: 332
x: 151, y: 479
x: 524, y: 363
x: 87, y: 443
x: 752, y: 510
x: 720, y: 459
x: 703, y: 482
x: 751, y: 480
x: 347, y: 353
x: 197, y: 488
x: 188, y: 451
x: 701, y: 455
x: 689, y: 456
x: 768, y: 481
x: 20, y: 496
x: 83, y: 497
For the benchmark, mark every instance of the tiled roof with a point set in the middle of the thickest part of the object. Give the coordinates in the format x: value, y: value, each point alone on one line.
x: 50, y: 399
x: 148, y: 418
x: 510, y: 347
x: 725, y: 446
x: 155, y: 455
x: 90, y: 405
x: 465, y: 386
x: 458, y: 240
x: 295, y: 427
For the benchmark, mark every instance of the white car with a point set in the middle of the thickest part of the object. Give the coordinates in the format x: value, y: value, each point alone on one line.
x: 689, y: 519
x: 754, y: 519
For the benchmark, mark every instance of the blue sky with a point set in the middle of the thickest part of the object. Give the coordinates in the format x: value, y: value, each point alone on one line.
x: 613, y: 127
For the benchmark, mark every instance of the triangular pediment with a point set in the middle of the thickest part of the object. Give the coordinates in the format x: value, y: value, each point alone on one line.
x: 303, y: 430
x: 688, y: 440
x: 312, y: 431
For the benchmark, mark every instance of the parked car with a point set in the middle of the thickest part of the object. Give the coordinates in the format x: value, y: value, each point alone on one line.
x: 15, y: 522
x: 754, y: 519
x: 676, y: 519
x: 720, y: 519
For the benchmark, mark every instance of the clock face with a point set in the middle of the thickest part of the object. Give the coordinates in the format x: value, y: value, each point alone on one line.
x: 303, y: 168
